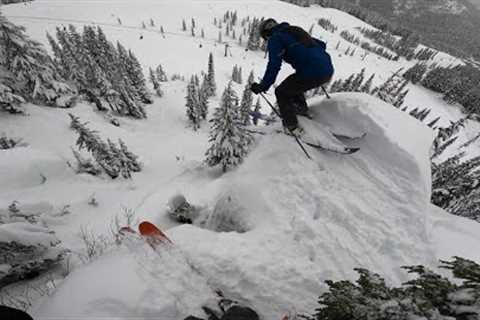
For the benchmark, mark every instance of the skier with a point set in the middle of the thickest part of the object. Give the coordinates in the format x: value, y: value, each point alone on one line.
x: 307, y: 56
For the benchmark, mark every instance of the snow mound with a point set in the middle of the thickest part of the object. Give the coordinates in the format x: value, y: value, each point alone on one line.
x: 309, y: 221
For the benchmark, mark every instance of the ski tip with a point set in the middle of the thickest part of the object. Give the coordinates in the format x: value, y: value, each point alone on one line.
x: 148, y: 229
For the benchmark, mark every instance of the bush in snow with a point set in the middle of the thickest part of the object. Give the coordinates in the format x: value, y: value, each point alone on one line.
x: 429, y: 296
x: 27, y: 72
x: 228, y: 136
x: 114, y: 160
x: 8, y: 143
x: 26, y: 251
x: 180, y: 210
x: 109, y: 76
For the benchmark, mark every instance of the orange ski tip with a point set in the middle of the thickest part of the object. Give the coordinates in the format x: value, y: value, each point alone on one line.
x: 150, y: 230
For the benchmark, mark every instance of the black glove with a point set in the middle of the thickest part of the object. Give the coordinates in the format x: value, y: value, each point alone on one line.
x: 257, y: 88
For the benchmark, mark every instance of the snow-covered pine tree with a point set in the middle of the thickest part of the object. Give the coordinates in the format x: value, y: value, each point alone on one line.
x: 246, y: 105
x: 132, y: 160
x: 357, y: 81
x: 416, y: 73
x: 203, y: 98
x: 367, y: 86
x: 135, y: 73
x: 193, y: 23
x: 212, y: 86
x: 193, y: 105
x: 128, y: 94
x: 161, y: 74
x: 184, y: 25
x: 228, y: 137
x: 9, y: 101
x: 256, y: 112
x: 36, y: 78
x: 253, y: 42
x: 347, y: 84
x: 113, y: 160
x: 237, y: 74
x: 428, y: 296
x: 155, y: 82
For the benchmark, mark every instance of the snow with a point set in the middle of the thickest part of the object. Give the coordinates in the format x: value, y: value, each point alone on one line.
x: 305, y: 221
x: 339, y: 212
x: 26, y: 234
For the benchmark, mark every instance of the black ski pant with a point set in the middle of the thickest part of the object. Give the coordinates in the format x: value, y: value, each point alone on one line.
x: 291, y: 96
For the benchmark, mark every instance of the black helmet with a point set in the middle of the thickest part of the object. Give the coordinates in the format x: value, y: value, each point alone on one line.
x: 265, y: 28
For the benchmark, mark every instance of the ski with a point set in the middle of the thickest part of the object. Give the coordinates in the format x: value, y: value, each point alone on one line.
x: 153, y: 235
x: 346, y: 150
x: 349, y: 137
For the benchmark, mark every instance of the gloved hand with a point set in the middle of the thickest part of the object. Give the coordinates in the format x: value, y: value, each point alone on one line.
x: 256, y: 88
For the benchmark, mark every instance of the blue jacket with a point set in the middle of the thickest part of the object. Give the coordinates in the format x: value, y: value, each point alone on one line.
x: 309, y: 62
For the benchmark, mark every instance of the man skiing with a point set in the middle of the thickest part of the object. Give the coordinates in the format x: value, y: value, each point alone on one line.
x: 307, y: 55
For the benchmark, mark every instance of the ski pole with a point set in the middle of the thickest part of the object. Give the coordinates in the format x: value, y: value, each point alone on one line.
x: 278, y: 114
x: 326, y: 93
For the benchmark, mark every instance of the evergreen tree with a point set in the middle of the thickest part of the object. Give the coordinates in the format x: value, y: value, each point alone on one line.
x: 212, y: 86
x: 184, y: 25
x: 203, y: 33
x: 113, y: 160
x: 155, y: 82
x: 256, y: 112
x: 253, y: 42
x: 161, y: 74
x: 367, y: 86
x: 27, y: 63
x: 428, y: 296
x: 416, y: 73
x: 203, y: 98
x: 357, y: 81
x: 135, y: 73
x: 193, y: 106
x: 246, y: 105
x: 229, y: 138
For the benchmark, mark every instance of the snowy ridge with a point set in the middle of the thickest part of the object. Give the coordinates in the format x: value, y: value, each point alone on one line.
x: 310, y: 221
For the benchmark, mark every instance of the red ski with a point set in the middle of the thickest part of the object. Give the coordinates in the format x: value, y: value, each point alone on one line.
x: 152, y: 234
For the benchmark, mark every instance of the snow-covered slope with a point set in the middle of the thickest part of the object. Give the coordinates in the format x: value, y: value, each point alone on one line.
x: 308, y: 220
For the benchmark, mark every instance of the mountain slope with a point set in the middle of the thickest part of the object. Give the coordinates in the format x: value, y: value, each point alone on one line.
x: 307, y: 221
x: 450, y: 25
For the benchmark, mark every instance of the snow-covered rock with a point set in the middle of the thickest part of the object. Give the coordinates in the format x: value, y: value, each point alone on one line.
x: 27, y: 250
